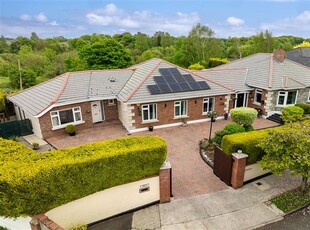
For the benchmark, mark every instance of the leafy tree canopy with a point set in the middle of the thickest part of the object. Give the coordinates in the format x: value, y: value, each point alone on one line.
x: 105, y: 54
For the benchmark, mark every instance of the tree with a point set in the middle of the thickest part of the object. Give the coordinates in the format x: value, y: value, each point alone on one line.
x: 105, y: 54
x: 28, y: 78
x: 288, y: 148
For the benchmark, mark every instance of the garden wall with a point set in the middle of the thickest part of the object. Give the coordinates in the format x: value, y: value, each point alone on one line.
x: 106, y: 203
x: 253, y: 171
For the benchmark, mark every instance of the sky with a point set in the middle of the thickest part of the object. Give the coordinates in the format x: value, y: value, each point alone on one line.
x: 227, y: 18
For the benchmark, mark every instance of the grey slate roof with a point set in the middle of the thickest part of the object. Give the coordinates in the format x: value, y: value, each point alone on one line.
x: 300, y: 55
x: 135, y: 91
x: 232, y: 78
x: 263, y: 67
x: 71, y: 88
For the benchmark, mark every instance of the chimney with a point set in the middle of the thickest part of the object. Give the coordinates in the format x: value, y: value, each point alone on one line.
x: 279, y: 55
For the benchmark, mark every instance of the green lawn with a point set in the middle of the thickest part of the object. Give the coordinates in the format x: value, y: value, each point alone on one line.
x: 291, y: 200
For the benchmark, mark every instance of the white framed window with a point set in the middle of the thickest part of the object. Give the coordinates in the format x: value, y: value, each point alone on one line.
x: 309, y: 96
x: 180, y: 109
x: 208, y: 105
x: 258, y: 96
x: 286, y: 98
x: 149, y: 112
x: 62, y: 117
x: 111, y: 102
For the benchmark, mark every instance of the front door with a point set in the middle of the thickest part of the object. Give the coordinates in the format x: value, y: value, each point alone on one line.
x: 96, y: 111
x: 241, y: 100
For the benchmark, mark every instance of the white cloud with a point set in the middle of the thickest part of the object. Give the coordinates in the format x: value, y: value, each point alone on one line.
x: 41, y: 17
x: 233, y: 21
x: 145, y: 21
x: 295, y: 25
x: 25, y: 17
x: 54, y: 23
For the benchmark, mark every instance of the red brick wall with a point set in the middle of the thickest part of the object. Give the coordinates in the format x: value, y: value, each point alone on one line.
x: 165, y: 114
x: 110, y: 111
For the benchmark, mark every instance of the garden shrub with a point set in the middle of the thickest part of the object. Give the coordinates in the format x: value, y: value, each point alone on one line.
x: 248, y: 128
x: 292, y: 114
x: 228, y: 129
x: 243, y: 115
x: 246, y: 142
x: 32, y: 183
x: 305, y: 107
x: 196, y: 66
x: 213, y: 62
x: 2, y: 102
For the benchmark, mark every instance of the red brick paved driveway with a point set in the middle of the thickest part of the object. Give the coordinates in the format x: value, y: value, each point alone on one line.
x: 190, y: 174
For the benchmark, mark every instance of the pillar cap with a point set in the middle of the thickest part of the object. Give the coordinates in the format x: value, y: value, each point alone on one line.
x: 166, y: 165
x: 240, y: 155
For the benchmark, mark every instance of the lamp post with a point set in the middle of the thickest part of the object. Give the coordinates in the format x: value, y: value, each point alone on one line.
x: 210, y: 129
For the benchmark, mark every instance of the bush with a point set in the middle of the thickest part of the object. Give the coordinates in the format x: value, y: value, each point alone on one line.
x: 33, y: 183
x: 70, y: 129
x: 305, y: 107
x: 247, y: 143
x: 248, y: 128
x: 213, y: 62
x: 2, y: 102
x: 228, y: 129
x: 196, y: 66
x: 292, y: 114
x: 243, y: 115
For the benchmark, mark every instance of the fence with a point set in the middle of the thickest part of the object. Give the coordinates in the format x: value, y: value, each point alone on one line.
x: 15, y: 128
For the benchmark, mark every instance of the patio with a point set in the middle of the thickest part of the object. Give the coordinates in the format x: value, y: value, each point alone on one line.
x: 190, y: 174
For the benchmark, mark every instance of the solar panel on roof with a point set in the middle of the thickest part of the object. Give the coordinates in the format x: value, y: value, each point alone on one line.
x: 164, y: 72
x: 164, y: 88
x: 189, y: 78
x: 194, y: 85
x: 154, y: 89
x: 175, y: 87
x: 159, y: 80
x: 169, y: 79
x: 185, y: 87
x: 172, y: 81
x: 203, y: 85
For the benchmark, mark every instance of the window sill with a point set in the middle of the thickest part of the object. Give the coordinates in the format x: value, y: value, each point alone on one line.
x: 256, y: 103
x: 111, y: 104
x: 64, y: 126
x: 150, y: 121
x: 180, y: 117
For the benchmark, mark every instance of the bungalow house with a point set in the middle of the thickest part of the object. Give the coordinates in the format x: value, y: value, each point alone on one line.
x: 274, y: 81
x: 160, y: 94
x: 153, y: 93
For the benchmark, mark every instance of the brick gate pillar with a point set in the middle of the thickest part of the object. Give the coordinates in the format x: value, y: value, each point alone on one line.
x: 165, y: 182
x: 238, y: 169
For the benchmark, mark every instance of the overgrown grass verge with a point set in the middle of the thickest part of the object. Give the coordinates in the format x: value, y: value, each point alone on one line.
x: 291, y: 200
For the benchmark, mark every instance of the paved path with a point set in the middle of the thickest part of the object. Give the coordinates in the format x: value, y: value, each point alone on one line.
x: 245, y: 208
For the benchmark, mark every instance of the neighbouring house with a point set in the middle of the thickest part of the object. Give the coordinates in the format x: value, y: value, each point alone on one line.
x: 270, y: 81
x: 300, y: 55
x: 160, y: 94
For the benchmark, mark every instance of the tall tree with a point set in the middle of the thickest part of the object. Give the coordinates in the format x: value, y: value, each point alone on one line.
x: 105, y: 54
x: 200, y: 44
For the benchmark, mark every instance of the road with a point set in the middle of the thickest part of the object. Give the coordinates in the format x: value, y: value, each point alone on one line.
x: 299, y: 220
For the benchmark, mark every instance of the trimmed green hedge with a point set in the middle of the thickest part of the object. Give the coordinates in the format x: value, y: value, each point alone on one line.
x: 32, y: 183
x: 292, y: 114
x: 247, y: 143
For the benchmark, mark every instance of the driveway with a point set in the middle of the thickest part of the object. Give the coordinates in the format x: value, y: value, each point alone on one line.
x: 191, y: 176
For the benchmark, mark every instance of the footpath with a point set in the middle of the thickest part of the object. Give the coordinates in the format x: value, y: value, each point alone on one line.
x: 245, y: 208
